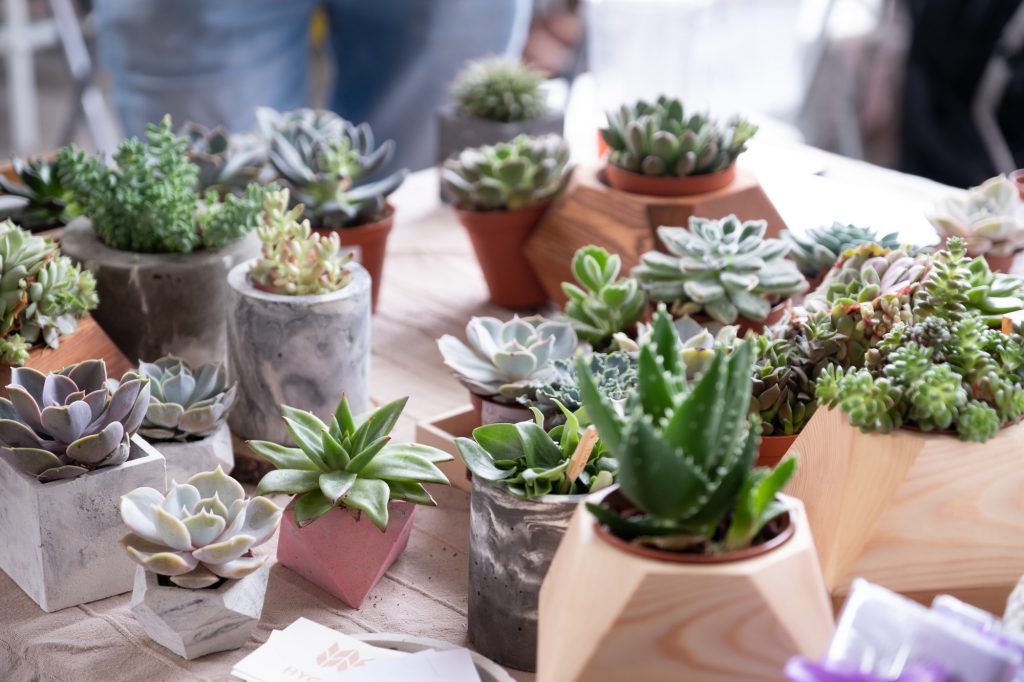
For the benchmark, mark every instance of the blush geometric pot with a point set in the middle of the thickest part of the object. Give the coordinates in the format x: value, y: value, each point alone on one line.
x: 188, y: 458
x: 342, y: 555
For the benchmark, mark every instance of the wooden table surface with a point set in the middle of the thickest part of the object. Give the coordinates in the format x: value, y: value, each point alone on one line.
x: 431, y: 286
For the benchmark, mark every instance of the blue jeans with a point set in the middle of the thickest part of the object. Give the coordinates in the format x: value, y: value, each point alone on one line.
x: 215, y: 61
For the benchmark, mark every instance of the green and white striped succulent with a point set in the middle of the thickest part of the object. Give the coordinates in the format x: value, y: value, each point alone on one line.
x: 185, y: 403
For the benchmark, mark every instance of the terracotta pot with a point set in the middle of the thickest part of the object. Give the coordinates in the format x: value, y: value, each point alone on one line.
x: 773, y: 448
x: 498, y: 238
x: 666, y: 186
x: 490, y: 412
x: 372, y: 240
x: 1000, y: 263
x: 344, y: 555
x: 1018, y: 179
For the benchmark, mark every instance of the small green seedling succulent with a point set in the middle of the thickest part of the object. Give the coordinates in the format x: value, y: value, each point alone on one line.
x: 499, y: 89
x: 990, y: 217
x: 350, y: 463
x: 818, y: 249
x: 604, y: 304
x: 201, y: 532
x: 185, y: 403
x: 39, y: 199
x: 530, y: 462
x: 226, y: 162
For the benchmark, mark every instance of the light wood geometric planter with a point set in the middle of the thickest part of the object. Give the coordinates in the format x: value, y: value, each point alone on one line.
x: 441, y: 431
x: 609, y: 616
x: 920, y: 514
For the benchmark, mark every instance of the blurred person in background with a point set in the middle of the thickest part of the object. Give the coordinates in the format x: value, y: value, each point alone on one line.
x: 215, y: 61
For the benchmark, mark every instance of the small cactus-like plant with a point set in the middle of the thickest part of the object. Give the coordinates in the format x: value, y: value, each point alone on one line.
x: 604, y: 304
x: 185, y: 403
x: 659, y: 139
x: 499, y: 89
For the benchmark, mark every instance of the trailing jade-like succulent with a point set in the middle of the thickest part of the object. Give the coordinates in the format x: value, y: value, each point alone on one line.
x: 326, y: 162
x: 185, y: 403
x: 659, y: 139
x: 990, y: 217
x: 614, y: 373
x: 63, y: 424
x: 226, y: 162
x: 529, y: 462
x: 509, y: 175
x: 604, y: 304
x: 686, y: 453
x: 294, y: 260
x: 817, y: 249
x: 350, y: 463
x: 201, y: 532
x: 499, y: 89
x: 39, y: 200
x: 507, y: 360
x: 722, y: 268
x: 42, y: 293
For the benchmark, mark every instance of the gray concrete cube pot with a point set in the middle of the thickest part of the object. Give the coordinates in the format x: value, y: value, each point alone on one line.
x: 194, y: 623
x: 185, y: 459
x: 153, y: 304
x: 511, y: 544
x: 302, y: 351
x: 59, y: 540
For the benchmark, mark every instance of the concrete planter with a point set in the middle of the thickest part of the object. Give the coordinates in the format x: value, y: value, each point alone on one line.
x: 302, y: 351
x: 194, y: 623
x: 152, y: 304
x: 59, y: 540
x: 188, y: 458
x: 511, y: 544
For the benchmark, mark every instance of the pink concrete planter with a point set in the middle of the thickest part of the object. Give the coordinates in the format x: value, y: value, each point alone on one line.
x: 341, y: 555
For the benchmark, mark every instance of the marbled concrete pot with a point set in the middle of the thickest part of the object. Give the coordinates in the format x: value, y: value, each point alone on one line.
x: 194, y: 623
x: 511, y: 544
x: 301, y: 351
x: 344, y: 555
x: 155, y: 304
x: 59, y: 540
x: 185, y: 459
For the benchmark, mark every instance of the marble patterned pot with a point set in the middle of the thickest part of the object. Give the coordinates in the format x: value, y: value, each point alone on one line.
x: 511, y: 544
x: 302, y: 351
x: 59, y: 540
x: 185, y: 459
x: 153, y: 304
x: 194, y: 623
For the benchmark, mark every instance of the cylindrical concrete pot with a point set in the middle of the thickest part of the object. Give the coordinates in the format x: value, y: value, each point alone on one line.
x: 301, y: 351
x: 371, y: 241
x: 511, y: 544
x: 154, y: 304
x: 194, y: 623
x: 185, y: 459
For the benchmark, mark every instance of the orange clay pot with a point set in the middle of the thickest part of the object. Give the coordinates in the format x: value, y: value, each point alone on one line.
x: 372, y: 240
x: 667, y: 186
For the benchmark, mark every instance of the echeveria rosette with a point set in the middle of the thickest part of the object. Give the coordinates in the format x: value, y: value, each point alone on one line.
x: 185, y: 403
x: 63, y: 424
x: 200, y: 532
x: 990, y: 217
x: 350, y: 463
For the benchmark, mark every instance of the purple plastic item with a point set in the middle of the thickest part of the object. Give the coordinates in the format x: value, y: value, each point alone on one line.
x: 800, y: 669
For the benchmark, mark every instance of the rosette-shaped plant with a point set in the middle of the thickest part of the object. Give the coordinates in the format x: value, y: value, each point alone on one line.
x: 506, y: 360
x: 508, y: 175
x: 614, y: 373
x: 39, y: 200
x: 226, y: 162
x: 350, y: 463
x: 817, y: 249
x: 722, y: 268
x: 199, y: 533
x: 990, y: 217
x: 65, y: 423
x: 499, y: 89
x: 659, y: 139
x: 605, y: 304
x: 185, y: 403
x: 697, y: 342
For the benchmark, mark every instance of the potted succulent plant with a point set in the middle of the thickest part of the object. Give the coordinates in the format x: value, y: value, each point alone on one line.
x: 298, y: 324
x: 67, y: 453
x: 327, y: 162
x: 506, y: 361
x: 359, y: 489
x: 689, y: 553
x: 526, y: 484
x: 721, y: 270
x: 187, y: 416
x: 199, y: 587
x: 496, y: 99
x: 36, y: 199
x: 160, y: 251
x: 500, y: 193
x: 657, y: 149
x: 817, y: 250
x: 226, y: 163
x: 614, y: 373
x: 990, y: 217
x: 603, y: 304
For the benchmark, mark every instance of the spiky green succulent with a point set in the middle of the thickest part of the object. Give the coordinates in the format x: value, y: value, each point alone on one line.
x: 509, y: 175
x: 603, y: 304
x: 351, y: 463
x: 201, y: 532
x: 499, y: 89
x: 185, y: 402
x: 39, y: 200
x: 722, y: 268
x: 989, y: 217
x: 697, y: 342
x: 614, y: 373
x: 226, y: 162
x: 507, y: 360
x: 659, y: 139
x: 63, y: 424
x: 817, y: 249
